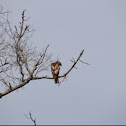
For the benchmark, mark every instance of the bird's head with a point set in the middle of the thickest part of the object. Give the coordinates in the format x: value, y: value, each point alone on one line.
x: 59, y: 63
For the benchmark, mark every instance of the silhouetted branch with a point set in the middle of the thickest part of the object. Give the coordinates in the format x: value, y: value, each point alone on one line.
x: 31, y: 118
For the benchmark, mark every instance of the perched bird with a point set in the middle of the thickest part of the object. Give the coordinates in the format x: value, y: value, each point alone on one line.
x: 55, y: 68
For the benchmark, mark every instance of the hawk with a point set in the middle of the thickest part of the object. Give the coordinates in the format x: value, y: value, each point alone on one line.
x: 55, y: 68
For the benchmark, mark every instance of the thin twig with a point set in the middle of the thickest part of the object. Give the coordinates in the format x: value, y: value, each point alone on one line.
x: 31, y: 118
x: 84, y: 62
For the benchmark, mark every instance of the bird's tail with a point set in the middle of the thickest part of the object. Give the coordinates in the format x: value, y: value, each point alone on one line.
x: 56, y: 79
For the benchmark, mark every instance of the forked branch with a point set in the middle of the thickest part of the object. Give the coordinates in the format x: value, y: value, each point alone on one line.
x: 73, y: 65
x: 31, y: 118
x: 64, y: 75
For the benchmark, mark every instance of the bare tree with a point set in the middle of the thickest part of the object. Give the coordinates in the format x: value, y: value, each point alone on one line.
x: 20, y: 62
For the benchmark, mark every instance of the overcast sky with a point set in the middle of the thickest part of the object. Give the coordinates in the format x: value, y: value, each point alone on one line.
x: 94, y: 94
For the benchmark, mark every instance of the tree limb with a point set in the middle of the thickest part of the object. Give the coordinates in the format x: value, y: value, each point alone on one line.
x: 73, y: 65
x: 26, y: 81
x: 15, y: 87
x: 64, y: 75
x: 18, y: 42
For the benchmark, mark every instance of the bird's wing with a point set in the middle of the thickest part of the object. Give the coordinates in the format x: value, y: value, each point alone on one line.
x: 57, y: 69
x: 52, y: 68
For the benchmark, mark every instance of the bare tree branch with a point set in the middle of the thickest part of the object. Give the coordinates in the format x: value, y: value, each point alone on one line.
x: 46, y: 77
x: 20, y: 62
x: 31, y: 118
x: 39, y: 62
x: 15, y: 87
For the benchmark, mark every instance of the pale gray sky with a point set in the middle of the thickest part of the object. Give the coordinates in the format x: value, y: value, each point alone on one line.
x: 94, y: 94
